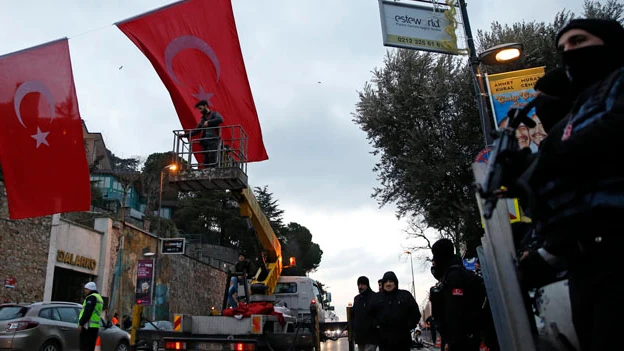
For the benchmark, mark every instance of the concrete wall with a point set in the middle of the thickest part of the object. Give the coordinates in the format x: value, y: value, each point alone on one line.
x: 223, y: 258
x: 23, y: 254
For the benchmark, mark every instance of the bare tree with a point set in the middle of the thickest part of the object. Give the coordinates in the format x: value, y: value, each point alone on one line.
x: 422, y: 239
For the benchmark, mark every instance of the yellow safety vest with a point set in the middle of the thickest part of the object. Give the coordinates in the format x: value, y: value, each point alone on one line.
x: 94, y: 322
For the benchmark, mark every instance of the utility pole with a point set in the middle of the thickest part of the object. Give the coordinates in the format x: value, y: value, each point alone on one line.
x: 412, y: 265
x: 172, y: 167
x: 479, y: 84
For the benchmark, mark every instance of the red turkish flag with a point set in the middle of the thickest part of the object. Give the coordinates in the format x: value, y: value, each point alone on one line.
x: 41, y: 146
x: 193, y: 46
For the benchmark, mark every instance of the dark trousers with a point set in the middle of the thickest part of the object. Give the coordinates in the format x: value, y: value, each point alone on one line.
x: 210, y: 152
x: 433, y: 335
x: 88, y: 337
x: 596, y: 285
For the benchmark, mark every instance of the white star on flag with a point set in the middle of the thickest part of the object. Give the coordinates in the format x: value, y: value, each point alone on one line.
x: 40, y: 137
x: 202, y: 95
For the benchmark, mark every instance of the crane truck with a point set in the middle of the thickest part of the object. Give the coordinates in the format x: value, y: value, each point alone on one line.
x: 292, y: 310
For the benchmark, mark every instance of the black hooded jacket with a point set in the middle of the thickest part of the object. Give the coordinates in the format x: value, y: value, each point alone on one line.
x: 396, y: 313
x: 364, y: 325
x: 455, y: 312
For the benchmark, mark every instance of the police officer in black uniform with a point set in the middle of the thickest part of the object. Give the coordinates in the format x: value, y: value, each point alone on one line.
x: 452, y: 300
x: 578, y: 182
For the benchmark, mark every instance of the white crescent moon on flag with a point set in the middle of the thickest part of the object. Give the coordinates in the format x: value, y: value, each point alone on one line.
x: 189, y: 42
x: 32, y: 86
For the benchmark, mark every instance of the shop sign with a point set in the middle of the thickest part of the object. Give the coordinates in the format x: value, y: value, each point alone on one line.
x: 172, y: 246
x: 75, y: 260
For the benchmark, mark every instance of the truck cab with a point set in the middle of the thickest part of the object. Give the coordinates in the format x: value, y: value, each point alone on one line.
x: 297, y: 293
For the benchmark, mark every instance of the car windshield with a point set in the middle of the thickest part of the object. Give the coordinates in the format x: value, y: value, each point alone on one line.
x: 12, y: 312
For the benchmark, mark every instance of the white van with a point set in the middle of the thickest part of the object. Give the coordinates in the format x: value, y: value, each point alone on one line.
x: 297, y: 293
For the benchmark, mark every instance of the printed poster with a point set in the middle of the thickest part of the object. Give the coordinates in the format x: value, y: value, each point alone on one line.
x: 145, y: 276
x: 515, y: 89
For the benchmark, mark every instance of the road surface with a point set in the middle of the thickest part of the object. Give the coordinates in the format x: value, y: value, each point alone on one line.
x: 342, y: 344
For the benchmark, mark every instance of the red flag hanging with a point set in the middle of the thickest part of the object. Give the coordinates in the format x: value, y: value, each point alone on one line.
x: 193, y: 46
x: 41, y: 146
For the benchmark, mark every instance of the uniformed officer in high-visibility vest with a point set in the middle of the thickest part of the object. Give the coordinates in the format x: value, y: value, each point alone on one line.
x: 89, y: 320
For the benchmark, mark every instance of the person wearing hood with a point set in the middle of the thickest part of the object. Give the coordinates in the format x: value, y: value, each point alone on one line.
x: 364, y: 326
x: 396, y: 313
x: 578, y: 182
x: 455, y: 311
x: 90, y: 315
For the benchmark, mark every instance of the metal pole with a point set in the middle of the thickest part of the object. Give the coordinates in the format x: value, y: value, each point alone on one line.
x: 413, y: 283
x: 486, y: 123
x: 155, y: 281
x: 162, y: 174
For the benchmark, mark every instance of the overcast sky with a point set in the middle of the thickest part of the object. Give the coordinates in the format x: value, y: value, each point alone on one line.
x: 320, y: 166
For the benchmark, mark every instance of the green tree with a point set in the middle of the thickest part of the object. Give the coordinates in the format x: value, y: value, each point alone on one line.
x: 152, y: 169
x: 296, y: 240
x: 300, y: 245
x: 419, y: 113
x: 270, y: 207
x: 123, y: 164
x: 209, y: 214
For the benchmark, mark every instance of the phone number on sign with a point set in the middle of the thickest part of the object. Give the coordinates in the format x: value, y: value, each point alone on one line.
x: 421, y: 42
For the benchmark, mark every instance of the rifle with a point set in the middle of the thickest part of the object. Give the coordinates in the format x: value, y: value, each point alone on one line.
x: 505, y: 147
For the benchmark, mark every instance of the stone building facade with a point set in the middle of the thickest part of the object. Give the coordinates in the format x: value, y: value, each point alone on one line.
x: 50, y: 258
x: 23, y: 254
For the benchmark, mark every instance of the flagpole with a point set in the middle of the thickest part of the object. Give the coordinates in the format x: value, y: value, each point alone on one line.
x: 32, y: 47
x: 149, y: 12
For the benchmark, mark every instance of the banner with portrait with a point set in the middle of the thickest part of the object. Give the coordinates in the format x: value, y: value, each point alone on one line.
x: 144, y: 282
x: 515, y: 89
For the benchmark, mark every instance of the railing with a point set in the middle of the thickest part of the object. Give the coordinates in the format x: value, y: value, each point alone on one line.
x: 214, y: 147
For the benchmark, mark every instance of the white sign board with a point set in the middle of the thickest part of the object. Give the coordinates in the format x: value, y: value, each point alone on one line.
x: 416, y: 27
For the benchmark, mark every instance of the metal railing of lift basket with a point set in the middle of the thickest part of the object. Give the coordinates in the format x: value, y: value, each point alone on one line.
x: 232, y: 147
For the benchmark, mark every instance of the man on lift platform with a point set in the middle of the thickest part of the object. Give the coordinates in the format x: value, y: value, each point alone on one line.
x: 209, y: 138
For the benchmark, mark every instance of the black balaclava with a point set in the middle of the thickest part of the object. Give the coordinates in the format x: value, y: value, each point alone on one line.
x: 588, y: 65
x: 555, y: 99
x: 443, y: 252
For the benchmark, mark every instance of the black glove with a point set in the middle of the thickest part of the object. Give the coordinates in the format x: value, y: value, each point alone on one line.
x: 535, y: 272
x: 515, y: 163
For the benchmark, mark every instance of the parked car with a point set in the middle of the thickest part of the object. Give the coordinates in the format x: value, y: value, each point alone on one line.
x: 146, y: 342
x: 52, y: 326
x: 158, y: 325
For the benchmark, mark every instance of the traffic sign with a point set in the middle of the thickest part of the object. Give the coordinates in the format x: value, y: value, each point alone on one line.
x: 173, y: 246
x: 10, y: 282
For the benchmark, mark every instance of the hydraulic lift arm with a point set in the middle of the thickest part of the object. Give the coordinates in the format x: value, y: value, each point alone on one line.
x: 250, y: 208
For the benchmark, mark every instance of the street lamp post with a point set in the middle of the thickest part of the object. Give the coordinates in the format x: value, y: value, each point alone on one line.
x: 412, y: 265
x: 172, y: 168
x: 496, y: 55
